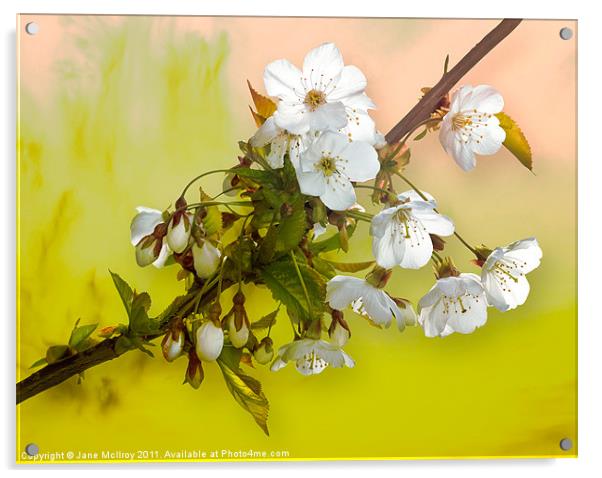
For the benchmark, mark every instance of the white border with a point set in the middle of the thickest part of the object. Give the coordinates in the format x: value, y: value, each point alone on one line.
x: 590, y: 233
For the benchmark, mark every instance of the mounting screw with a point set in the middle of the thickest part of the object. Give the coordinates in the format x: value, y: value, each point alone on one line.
x: 566, y: 33
x: 32, y: 449
x: 566, y: 444
x: 32, y: 28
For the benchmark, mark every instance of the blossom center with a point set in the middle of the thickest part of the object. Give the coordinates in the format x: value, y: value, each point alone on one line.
x: 327, y: 165
x: 314, y: 99
x: 460, y: 121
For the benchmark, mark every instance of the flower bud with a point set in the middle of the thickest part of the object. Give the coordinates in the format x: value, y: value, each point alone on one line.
x: 206, y: 259
x: 339, y: 335
x: 338, y: 331
x: 379, y: 277
x: 178, y: 231
x: 209, y: 341
x: 238, y: 336
x: 446, y: 268
x: 148, y: 250
x: 264, y: 352
x: 172, y: 345
x: 194, y: 372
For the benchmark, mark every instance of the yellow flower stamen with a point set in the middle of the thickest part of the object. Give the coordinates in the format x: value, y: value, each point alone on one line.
x: 314, y: 99
x: 327, y: 165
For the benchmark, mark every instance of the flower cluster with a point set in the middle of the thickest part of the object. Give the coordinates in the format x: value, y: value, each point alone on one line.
x: 298, y: 176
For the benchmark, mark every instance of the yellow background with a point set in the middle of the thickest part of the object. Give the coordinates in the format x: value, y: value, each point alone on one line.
x: 116, y: 112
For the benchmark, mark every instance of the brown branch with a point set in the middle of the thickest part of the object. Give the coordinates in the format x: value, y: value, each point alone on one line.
x: 56, y: 373
x: 427, y: 105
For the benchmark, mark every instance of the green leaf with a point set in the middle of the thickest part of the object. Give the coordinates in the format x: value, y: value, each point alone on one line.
x: 79, y: 334
x: 323, y: 267
x: 58, y: 352
x: 125, y: 291
x: 515, y: 141
x: 174, y: 308
x: 140, y: 322
x: 266, y: 321
x: 292, y: 228
x: 421, y: 135
x: 123, y: 345
x: 268, y: 245
x: 212, y: 222
x: 351, y: 266
x: 39, y: 363
x: 246, y: 391
x: 257, y: 175
x: 282, y: 280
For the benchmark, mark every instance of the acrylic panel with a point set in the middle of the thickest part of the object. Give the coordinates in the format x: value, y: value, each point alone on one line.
x: 374, y: 258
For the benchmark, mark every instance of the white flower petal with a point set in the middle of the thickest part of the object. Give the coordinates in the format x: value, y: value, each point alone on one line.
x: 322, y: 67
x: 343, y: 290
x: 379, y: 306
x: 351, y: 82
x: 339, y: 193
x: 360, y: 161
x: 360, y: 127
x: 163, y: 256
x: 292, y: 117
x: 328, y: 116
x: 466, y: 316
x: 312, y: 183
x: 278, y: 364
x: 418, y: 244
x: 282, y: 79
x: 144, y: 223
x: 526, y: 253
x: 433, y: 319
x: 359, y: 102
x: 433, y: 222
x: 388, y: 249
x: 485, y: 99
x: 492, y: 138
x: 380, y: 222
x: 266, y: 133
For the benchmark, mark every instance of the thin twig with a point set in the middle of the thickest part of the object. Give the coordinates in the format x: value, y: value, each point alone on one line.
x: 427, y: 105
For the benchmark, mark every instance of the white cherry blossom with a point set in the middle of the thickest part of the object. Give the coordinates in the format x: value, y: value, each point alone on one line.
x: 329, y: 166
x: 311, y: 356
x: 454, y: 304
x: 281, y: 142
x: 503, y: 273
x: 471, y: 127
x: 149, y: 250
x: 324, y: 95
x: 400, y: 234
x: 369, y: 301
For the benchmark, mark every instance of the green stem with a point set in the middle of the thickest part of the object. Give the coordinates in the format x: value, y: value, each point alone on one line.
x: 374, y: 188
x: 225, y: 191
x: 463, y: 241
x: 240, y: 255
x: 422, y: 123
x: 219, y: 203
x: 362, y: 216
x: 302, y: 282
x: 195, y: 179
